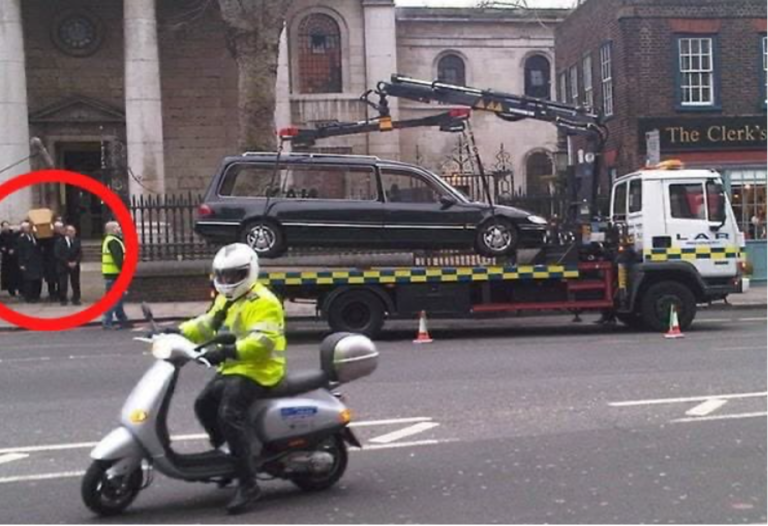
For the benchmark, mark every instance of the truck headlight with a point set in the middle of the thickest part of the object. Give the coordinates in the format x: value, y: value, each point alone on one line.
x: 536, y: 220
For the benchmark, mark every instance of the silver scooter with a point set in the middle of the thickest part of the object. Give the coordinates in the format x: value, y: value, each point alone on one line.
x: 302, y: 428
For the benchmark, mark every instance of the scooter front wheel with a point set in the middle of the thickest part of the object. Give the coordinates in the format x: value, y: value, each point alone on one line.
x: 336, y: 447
x: 109, y: 495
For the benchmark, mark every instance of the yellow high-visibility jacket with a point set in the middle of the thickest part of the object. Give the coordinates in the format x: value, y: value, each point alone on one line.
x: 257, y: 321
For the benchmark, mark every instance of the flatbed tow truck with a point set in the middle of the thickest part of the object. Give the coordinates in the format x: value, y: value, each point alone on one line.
x: 671, y: 241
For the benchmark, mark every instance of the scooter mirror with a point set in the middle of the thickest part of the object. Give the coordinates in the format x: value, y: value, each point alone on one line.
x: 147, y: 312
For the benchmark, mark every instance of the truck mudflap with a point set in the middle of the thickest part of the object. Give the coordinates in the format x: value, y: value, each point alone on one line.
x: 744, y: 285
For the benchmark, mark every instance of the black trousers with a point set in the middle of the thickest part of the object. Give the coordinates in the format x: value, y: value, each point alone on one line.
x: 32, y: 289
x: 222, y: 409
x: 53, y: 287
x: 65, y: 277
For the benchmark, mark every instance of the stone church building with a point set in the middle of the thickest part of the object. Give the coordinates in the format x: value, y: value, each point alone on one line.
x: 143, y: 93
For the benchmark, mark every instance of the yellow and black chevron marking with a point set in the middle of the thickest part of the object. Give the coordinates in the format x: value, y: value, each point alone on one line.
x: 419, y: 275
x: 691, y: 254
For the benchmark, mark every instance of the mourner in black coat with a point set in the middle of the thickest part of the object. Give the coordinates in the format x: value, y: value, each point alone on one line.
x: 69, y: 254
x: 10, y: 275
x: 30, y: 263
x: 50, y: 272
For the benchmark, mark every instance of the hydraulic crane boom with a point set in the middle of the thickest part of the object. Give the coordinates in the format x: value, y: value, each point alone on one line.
x: 451, y: 121
x: 506, y: 106
x: 573, y: 120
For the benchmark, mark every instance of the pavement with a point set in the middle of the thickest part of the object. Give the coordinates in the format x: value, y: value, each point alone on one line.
x: 755, y: 297
x: 162, y: 311
x: 527, y: 422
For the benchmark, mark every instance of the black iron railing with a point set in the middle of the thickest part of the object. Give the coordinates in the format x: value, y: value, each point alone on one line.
x: 165, y: 224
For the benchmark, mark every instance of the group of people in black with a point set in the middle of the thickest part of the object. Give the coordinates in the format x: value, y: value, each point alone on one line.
x: 26, y: 261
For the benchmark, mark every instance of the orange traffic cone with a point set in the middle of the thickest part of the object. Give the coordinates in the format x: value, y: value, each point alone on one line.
x: 423, y: 335
x: 674, y: 325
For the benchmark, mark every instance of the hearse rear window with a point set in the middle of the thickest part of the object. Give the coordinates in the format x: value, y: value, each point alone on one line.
x: 297, y: 181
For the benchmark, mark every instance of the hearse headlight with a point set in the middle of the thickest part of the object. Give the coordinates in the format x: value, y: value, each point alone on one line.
x: 536, y: 220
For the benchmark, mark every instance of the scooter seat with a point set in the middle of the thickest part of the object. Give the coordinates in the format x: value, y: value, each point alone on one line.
x: 295, y: 383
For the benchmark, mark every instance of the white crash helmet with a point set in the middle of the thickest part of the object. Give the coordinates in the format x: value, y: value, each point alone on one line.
x: 235, y: 270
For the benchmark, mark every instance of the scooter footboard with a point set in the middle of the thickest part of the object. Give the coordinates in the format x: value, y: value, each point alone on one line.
x: 117, y: 445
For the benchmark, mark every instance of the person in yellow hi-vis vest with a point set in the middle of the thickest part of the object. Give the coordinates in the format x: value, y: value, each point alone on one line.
x: 248, y: 368
x: 112, y: 257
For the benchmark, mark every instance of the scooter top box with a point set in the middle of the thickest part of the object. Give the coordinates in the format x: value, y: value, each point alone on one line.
x: 346, y: 357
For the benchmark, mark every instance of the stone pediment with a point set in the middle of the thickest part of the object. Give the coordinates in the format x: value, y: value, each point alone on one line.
x: 78, y: 109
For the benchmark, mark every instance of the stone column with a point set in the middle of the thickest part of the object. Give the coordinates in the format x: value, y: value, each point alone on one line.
x: 14, y: 114
x: 380, y: 64
x: 143, y: 102
x: 283, y: 88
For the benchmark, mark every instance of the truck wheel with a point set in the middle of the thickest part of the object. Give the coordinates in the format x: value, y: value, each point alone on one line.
x: 659, y: 298
x: 357, y: 311
x: 496, y: 237
x: 265, y: 238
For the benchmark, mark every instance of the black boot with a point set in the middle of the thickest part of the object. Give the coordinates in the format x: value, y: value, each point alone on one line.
x: 246, y: 495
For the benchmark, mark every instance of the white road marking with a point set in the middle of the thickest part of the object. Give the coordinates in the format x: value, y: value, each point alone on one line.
x: 752, y: 319
x: 54, y: 447
x: 706, y: 407
x: 11, y: 457
x: 402, y: 433
x: 194, y: 436
x: 373, y: 447
x: 42, y: 476
x: 75, y: 474
x: 742, y: 348
x: 17, y: 360
x: 390, y: 421
x: 719, y: 417
x: 686, y: 399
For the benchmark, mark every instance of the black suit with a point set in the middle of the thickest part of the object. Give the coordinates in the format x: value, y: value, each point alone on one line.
x: 68, y: 251
x: 50, y: 273
x: 10, y: 275
x: 31, y: 258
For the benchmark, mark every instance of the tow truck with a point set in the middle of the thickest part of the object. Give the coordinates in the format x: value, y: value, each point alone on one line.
x: 671, y: 241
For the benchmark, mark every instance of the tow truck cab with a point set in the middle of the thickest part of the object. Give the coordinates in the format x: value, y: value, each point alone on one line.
x: 680, y: 228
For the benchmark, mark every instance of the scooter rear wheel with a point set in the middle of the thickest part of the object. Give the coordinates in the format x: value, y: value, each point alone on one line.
x: 336, y: 447
x: 109, y: 496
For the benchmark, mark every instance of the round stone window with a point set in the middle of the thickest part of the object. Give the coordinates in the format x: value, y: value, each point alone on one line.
x: 77, y: 33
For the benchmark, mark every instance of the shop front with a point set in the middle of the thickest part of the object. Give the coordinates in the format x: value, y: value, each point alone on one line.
x: 736, y: 148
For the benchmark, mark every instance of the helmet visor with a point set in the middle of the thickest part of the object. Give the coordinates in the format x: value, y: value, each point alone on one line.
x: 231, y: 276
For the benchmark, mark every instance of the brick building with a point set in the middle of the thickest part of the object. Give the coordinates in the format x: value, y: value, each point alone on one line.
x: 695, y: 70
x: 144, y: 92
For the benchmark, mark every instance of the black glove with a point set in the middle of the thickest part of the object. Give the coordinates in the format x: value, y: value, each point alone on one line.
x: 170, y: 330
x: 220, y: 354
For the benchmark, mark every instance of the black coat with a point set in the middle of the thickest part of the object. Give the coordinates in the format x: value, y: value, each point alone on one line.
x: 67, y: 254
x: 49, y: 258
x: 30, y: 257
x: 10, y: 275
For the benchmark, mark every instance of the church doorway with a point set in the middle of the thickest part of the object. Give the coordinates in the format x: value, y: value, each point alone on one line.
x: 81, y: 208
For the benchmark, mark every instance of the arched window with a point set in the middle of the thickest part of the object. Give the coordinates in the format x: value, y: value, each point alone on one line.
x: 537, y: 81
x: 451, y: 70
x: 538, y: 173
x: 319, y: 55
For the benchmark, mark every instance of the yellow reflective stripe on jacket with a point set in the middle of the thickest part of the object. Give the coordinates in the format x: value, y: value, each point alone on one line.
x: 201, y: 329
x: 258, y: 323
x: 108, y: 265
x: 259, y: 326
